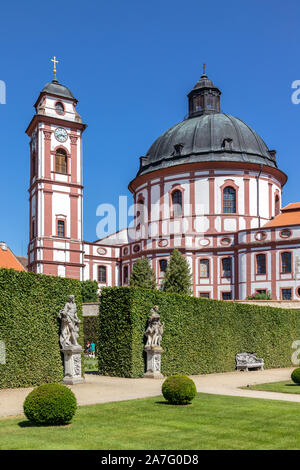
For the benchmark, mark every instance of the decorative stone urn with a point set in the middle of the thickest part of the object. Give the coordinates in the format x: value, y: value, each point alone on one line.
x: 68, y: 340
x: 153, y: 348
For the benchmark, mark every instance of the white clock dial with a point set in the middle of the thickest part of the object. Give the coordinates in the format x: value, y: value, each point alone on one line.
x: 61, y: 134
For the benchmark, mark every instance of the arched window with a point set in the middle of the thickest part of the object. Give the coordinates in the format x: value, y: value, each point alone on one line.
x: 140, y: 214
x: 277, y: 205
x: 261, y: 264
x: 204, y: 268
x: 177, y: 203
x: 59, y: 108
x: 101, y: 273
x: 229, y: 200
x: 286, y: 262
x: 61, y: 161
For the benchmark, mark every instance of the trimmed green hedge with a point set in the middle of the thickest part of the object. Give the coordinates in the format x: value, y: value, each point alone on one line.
x: 91, y: 329
x: 200, y: 336
x: 29, y: 304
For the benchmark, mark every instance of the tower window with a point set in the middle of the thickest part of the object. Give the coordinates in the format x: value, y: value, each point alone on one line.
x: 33, y: 228
x: 33, y: 164
x: 204, y: 268
x: 59, y: 108
x: 61, y: 161
x: 229, y: 200
x: 61, y: 228
x: 286, y: 262
x: 261, y: 264
x: 101, y: 273
x: 177, y: 203
x: 277, y: 205
x: 226, y: 267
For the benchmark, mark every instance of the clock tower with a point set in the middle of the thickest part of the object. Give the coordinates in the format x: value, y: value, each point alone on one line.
x: 55, y: 190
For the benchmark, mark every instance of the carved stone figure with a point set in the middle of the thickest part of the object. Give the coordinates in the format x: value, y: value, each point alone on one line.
x: 153, y: 347
x: 70, y: 348
x: 155, y: 329
x: 69, y: 324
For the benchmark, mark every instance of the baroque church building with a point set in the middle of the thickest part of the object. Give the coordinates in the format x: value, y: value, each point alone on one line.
x: 208, y: 186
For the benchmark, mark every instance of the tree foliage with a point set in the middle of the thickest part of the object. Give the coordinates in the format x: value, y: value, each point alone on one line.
x: 178, y: 276
x: 142, y: 275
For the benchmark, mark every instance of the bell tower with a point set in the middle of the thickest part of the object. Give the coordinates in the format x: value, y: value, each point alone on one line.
x: 55, y: 190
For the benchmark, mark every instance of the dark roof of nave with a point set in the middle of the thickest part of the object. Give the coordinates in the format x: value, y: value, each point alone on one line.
x: 207, y: 135
x: 56, y: 88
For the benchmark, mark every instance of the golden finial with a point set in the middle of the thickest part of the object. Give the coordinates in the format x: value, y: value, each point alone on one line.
x: 203, y: 69
x: 54, y: 66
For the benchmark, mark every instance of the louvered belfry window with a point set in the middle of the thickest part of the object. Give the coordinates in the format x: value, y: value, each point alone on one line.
x: 61, y: 161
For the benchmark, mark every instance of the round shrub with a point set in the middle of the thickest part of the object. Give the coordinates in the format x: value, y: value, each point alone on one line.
x: 179, y: 389
x: 51, y: 404
x: 295, y: 376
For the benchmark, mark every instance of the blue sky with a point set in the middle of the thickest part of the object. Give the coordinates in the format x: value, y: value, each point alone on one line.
x: 130, y: 64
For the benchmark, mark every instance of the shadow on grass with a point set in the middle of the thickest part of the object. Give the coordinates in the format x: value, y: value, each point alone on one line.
x: 171, y: 404
x: 91, y: 372
x: 292, y: 385
x: 28, y: 424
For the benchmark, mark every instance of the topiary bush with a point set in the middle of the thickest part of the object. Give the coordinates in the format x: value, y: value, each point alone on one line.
x: 50, y: 404
x: 179, y: 390
x: 295, y: 376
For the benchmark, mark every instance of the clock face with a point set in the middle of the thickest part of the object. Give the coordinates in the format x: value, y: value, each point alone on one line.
x: 61, y: 134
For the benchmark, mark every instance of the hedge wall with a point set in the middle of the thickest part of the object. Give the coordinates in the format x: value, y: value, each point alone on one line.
x: 29, y: 304
x: 91, y: 329
x: 201, y: 336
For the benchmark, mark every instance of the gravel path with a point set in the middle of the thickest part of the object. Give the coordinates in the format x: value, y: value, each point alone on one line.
x: 99, y: 389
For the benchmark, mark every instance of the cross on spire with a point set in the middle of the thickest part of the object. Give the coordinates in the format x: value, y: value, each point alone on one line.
x: 203, y: 69
x: 54, y: 66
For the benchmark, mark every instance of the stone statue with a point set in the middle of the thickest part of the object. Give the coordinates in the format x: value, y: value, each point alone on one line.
x: 155, y: 329
x: 69, y: 332
x: 153, y: 347
x: 69, y: 324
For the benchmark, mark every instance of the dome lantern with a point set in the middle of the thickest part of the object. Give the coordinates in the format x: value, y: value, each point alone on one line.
x: 204, y: 97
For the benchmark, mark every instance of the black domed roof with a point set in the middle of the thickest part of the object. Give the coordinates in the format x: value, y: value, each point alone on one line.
x: 56, y: 88
x: 207, y: 136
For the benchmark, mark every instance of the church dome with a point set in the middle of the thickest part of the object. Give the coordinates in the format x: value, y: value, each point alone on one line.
x: 207, y: 136
x: 56, y: 88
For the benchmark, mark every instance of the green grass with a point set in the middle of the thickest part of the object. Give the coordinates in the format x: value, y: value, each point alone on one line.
x: 281, y: 387
x: 211, y: 422
x: 90, y: 364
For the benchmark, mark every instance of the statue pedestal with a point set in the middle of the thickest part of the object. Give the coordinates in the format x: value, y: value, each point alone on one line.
x: 72, y: 365
x: 154, y: 362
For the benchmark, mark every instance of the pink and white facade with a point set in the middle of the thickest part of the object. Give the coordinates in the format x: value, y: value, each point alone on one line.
x: 209, y: 186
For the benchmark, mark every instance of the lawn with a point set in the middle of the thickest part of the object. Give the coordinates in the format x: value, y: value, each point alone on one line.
x: 211, y: 422
x: 282, y: 387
